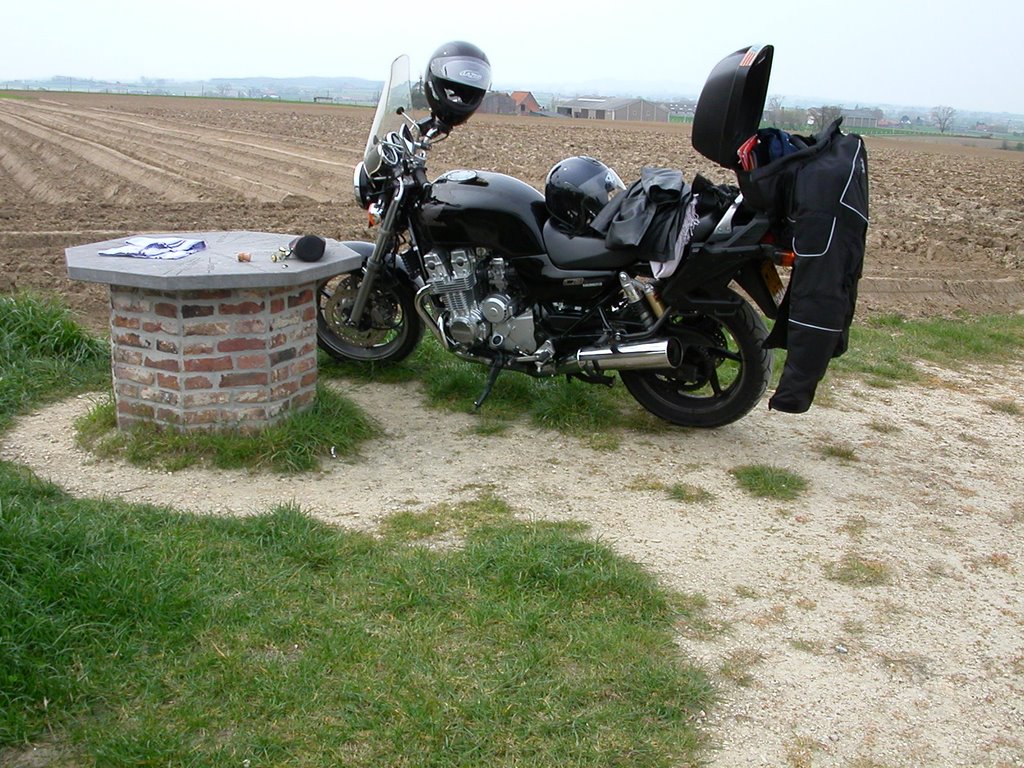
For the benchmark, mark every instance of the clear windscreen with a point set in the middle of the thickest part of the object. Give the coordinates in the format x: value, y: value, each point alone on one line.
x: 397, y: 93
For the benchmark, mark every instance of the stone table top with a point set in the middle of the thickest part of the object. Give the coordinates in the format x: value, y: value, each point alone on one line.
x: 215, y: 267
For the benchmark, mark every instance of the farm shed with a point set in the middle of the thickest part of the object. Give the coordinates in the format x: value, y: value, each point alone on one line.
x: 498, y: 103
x: 526, y: 104
x: 860, y: 118
x: 600, y: 108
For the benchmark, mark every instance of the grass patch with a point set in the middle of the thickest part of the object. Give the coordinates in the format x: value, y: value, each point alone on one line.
x: 765, y: 481
x: 135, y: 635
x: 883, y: 349
x: 564, y: 405
x: 884, y: 427
x: 737, y: 666
x: 855, y: 526
x: 812, y: 647
x: 1008, y: 406
x: 45, y: 356
x: 842, y: 451
x: 859, y: 571
x: 444, y: 520
x: 688, y: 494
x: 491, y: 427
x: 883, y: 352
x: 332, y: 426
x: 683, y: 492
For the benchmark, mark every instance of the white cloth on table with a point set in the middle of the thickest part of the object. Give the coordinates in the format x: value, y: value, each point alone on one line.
x: 155, y: 247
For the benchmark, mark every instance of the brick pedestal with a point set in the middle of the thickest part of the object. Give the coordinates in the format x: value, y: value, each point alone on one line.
x: 208, y: 341
x: 212, y: 359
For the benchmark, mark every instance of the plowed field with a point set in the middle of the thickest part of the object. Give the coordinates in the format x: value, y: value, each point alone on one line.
x: 947, y: 227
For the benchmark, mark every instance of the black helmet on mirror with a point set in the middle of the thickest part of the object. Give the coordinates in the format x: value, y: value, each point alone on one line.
x: 456, y: 82
x: 576, y: 189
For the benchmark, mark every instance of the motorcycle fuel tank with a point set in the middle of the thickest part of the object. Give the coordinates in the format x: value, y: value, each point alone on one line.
x: 484, y: 210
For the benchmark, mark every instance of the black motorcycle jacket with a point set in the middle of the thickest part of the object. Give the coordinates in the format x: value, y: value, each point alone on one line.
x: 647, y: 215
x: 823, y: 192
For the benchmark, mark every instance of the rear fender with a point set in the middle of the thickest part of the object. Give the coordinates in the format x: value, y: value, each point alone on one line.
x: 709, y: 271
x: 751, y: 279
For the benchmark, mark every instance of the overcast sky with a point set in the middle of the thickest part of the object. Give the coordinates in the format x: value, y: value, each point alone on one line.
x: 963, y: 54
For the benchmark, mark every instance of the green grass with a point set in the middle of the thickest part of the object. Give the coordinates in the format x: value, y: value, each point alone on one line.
x: 332, y: 426
x: 884, y: 352
x: 883, y: 349
x: 449, y: 383
x: 859, y: 571
x: 738, y: 665
x: 1008, y: 406
x: 684, y: 492
x: 135, y: 635
x: 842, y: 451
x: 44, y: 356
x: 765, y: 481
x: 688, y: 494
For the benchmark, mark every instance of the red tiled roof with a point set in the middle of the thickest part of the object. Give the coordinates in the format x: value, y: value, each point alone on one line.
x: 520, y: 96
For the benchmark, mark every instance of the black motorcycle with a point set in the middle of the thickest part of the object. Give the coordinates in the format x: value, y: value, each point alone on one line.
x: 505, y: 278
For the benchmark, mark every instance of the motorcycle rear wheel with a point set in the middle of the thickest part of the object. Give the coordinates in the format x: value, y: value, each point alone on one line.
x: 724, y: 372
x: 389, y: 331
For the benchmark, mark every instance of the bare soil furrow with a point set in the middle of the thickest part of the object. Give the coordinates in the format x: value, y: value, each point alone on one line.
x: 265, y: 177
x: 183, y: 172
x: 17, y: 177
x: 40, y: 170
x: 314, y: 152
x: 155, y: 180
x: 249, y: 160
x: 317, y: 152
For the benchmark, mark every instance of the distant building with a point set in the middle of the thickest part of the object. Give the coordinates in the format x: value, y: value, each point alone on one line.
x: 525, y: 103
x: 684, y: 108
x: 860, y: 118
x: 498, y: 103
x: 599, y: 108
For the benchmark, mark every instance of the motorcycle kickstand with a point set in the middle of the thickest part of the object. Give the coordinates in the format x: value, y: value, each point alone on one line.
x: 492, y: 376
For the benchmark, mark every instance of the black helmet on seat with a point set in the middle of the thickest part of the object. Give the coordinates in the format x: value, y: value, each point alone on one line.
x: 576, y: 189
x: 456, y: 82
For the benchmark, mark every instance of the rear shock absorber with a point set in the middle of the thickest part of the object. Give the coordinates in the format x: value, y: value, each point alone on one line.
x: 657, y: 306
x: 635, y: 295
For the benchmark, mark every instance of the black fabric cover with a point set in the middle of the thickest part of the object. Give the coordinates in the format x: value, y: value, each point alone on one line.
x: 647, y: 216
x: 823, y: 193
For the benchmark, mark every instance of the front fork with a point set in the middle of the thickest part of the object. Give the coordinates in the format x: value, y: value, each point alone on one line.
x: 375, y: 262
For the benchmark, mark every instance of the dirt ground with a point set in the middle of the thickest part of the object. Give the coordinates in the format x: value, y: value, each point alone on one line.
x: 921, y: 485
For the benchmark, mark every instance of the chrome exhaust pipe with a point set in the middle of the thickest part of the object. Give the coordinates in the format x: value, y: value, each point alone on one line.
x: 642, y: 355
x: 434, y: 325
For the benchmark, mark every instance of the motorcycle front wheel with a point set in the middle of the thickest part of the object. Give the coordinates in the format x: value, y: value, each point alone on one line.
x: 723, y: 374
x: 389, y: 330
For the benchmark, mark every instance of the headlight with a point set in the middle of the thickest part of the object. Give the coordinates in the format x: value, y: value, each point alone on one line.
x: 362, y: 186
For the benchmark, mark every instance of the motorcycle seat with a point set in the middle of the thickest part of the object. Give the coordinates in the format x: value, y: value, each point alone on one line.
x: 579, y: 252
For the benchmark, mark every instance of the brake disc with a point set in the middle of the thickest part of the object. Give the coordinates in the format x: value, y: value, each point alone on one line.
x: 336, y: 309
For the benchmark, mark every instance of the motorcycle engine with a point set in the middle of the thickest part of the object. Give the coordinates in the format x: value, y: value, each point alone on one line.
x: 473, y: 286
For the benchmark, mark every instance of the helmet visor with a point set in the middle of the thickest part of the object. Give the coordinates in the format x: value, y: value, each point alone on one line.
x: 463, y: 71
x: 602, y: 186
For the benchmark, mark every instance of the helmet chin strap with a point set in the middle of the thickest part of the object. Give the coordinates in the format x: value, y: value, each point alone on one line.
x: 437, y: 127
